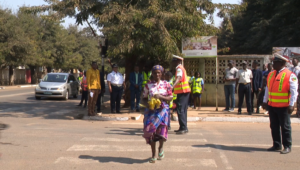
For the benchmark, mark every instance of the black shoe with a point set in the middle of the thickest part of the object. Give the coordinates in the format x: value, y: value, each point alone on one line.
x: 118, y: 112
x: 239, y: 113
x: 181, y: 132
x: 249, y: 113
x: 257, y: 111
x: 84, y: 106
x: 137, y: 110
x: 177, y: 130
x: 113, y: 111
x: 79, y: 105
x: 273, y: 148
x: 285, y: 151
x: 98, y: 111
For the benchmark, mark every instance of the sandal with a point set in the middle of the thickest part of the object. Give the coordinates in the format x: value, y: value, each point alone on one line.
x: 152, y: 160
x: 161, y: 155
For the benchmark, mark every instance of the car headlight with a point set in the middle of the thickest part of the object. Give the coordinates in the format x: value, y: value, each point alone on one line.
x: 61, y: 88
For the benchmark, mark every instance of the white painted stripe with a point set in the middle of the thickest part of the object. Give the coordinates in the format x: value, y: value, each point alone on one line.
x: 179, y: 162
x: 258, y: 145
x: 61, y: 112
x: 141, y: 124
x: 138, y: 140
x: 223, y: 157
x: 132, y: 148
x: 18, y: 94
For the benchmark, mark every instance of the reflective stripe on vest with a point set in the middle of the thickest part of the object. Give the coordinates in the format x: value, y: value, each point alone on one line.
x: 183, y: 86
x: 197, y: 87
x: 279, y: 87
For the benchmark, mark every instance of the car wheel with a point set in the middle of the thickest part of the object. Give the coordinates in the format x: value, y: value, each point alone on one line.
x: 37, y: 98
x: 67, y: 95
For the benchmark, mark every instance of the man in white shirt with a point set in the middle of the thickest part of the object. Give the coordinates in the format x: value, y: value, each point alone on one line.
x: 116, y: 85
x: 296, y: 68
x: 229, y: 86
x: 280, y: 96
x: 244, y: 81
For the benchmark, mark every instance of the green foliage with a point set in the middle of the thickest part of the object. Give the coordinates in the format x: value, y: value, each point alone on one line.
x: 31, y: 40
x: 262, y: 25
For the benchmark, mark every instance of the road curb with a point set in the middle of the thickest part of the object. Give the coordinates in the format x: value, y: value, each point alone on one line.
x: 101, y: 118
x: 27, y: 86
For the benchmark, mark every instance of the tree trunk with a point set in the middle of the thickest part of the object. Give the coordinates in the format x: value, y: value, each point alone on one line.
x: 34, y: 76
x: 11, y: 75
x: 129, y: 67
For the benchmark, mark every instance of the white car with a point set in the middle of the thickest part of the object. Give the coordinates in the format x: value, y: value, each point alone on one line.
x: 57, y: 85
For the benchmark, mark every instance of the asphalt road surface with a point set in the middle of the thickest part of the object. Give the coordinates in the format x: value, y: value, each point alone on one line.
x: 42, y: 137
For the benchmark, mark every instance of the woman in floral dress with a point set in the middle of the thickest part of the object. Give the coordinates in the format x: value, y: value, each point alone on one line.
x: 156, y: 121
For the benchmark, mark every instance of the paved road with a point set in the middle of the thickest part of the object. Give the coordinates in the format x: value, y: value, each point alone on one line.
x: 36, y: 141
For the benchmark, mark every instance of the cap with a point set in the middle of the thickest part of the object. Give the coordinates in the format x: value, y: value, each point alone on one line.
x: 230, y: 61
x: 244, y: 62
x: 114, y: 65
x: 175, y: 58
x: 278, y: 57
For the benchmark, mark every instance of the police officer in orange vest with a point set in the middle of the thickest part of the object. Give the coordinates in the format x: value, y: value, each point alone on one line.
x: 280, y: 96
x: 182, y: 89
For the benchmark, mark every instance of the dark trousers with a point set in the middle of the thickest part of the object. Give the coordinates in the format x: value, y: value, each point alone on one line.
x: 115, y: 98
x: 256, y: 93
x: 229, y: 94
x: 280, y: 120
x: 135, y: 94
x: 99, y: 102
x: 84, y: 96
x: 182, y: 106
x: 245, y: 89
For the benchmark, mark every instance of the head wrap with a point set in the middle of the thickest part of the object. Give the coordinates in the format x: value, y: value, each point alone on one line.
x: 157, y: 67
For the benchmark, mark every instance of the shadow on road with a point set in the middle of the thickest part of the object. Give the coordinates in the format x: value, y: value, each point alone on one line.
x: 127, y: 131
x: 115, y: 159
x: 233, y: 148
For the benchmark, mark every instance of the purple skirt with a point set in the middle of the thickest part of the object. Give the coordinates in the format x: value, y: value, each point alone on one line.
x: 156, y: 125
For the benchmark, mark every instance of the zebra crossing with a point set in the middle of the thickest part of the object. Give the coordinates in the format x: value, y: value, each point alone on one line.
x: 131, y: 150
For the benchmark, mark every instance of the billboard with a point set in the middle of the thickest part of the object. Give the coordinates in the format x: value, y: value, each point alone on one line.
x: 292, y: 52
x: 197, y: 47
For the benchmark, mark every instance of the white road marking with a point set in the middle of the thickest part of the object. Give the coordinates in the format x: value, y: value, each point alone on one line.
x: 223, y: 157
x: 141, y: 124
x: 137, y: 140
x: 257, y: 145
x: 132, y: 148
x: 18, y: 94
x: 181, y: 162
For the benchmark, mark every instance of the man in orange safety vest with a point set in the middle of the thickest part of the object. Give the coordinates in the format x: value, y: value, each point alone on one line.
x: 280, y: 96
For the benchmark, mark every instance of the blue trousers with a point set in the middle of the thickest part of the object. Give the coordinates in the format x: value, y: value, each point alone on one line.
x: 229, y: 94
x: 135, y: 94
x: 115, y: 98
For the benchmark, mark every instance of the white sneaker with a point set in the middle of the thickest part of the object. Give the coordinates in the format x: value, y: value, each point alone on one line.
x: 231, y: 110
x: 266, y: 112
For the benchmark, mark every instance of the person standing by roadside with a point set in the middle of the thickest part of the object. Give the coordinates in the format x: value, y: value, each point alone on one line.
x: 296, y: 71
x: 262, y: 93
x: 136, y: 80
x: 256, y: 85
x: 182, y: 89
x: 280, y: 96
x: 94, y: 87
x: 229, y: 86
x: 84, y: 95
x: 116, y: 85
x: 197, y: 89
x: 244, y: 82
x: 100, y: 97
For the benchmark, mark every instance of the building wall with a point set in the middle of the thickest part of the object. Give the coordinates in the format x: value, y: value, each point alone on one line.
x: 207, y: 68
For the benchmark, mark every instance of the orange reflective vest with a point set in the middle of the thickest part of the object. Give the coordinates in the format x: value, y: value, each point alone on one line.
x: 279, y: 88
x: 183, y: 86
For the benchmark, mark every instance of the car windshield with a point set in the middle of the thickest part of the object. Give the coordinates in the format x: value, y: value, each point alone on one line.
x: 55, y: 78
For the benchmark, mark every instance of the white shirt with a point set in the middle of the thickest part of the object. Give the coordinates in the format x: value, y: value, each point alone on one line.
x: 244, y: 76
x: 178, y: 71
x: 295, y: 70
x: 115, y: 78
x: 293, y: 90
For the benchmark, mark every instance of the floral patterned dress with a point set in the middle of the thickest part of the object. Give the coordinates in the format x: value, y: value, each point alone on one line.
x: 156, y: 121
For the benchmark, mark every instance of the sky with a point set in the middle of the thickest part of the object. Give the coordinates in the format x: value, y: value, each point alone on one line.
x: 15, y: 4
